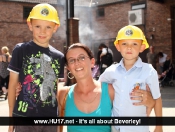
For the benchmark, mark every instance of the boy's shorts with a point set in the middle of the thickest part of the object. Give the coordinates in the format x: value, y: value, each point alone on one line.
x: 36, y: 128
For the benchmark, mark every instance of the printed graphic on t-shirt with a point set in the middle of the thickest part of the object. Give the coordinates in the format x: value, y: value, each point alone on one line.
x: 39, y: 86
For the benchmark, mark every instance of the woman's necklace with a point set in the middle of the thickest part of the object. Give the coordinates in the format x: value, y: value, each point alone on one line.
x: 86, y: 101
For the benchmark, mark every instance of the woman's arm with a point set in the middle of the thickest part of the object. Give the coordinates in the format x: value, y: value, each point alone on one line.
x: 0, y: 58
x: 61, y: 97
x: 111, y: 92
x: 9, y: 58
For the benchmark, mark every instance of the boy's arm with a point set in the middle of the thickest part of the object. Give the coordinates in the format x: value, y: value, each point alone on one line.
x: 158, y: 107
x: 11, y: 95
x: 158, y: 113
x: 13, y: 82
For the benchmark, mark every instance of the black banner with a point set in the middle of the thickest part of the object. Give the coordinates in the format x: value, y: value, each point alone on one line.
x: 136, y: 121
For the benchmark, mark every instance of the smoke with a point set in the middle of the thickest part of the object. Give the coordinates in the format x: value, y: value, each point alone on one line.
x: 90, y: 27
x: 85, y: 34
x: 85, y: 26
x: 85, y: 11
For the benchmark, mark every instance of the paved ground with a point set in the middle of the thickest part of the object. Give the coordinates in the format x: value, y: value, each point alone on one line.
x: 168, y: 98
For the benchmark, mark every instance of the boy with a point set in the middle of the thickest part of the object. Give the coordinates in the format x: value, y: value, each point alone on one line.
x: 129, y: 73
x: 37, y: 66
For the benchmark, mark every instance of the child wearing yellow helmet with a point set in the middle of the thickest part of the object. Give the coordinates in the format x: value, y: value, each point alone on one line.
x: 37, y: 66
x: 129, y: 75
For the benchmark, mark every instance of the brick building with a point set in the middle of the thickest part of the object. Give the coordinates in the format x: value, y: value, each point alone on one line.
x: 99, y: 22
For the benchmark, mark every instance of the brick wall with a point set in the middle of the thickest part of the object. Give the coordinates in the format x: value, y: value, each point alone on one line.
x: 157, y: 15
x: 92, y: 30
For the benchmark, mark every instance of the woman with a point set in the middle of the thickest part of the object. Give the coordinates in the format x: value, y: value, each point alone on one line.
x: 162, y: 59
x: 106, y: 57
x: 88, y: 97
x: 4, y: 73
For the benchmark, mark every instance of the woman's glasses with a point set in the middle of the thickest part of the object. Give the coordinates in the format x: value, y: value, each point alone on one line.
x: 80, y: 58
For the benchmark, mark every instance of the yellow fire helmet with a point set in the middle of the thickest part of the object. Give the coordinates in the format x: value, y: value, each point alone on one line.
x: 44, y: 11
x: 131, y: 32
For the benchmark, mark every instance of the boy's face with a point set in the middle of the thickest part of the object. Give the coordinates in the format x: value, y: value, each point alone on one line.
x: 130, y: 48
x: 42, y: 31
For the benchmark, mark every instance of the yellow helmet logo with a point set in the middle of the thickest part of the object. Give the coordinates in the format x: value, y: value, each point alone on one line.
x: 44, y: 12
x: 131, y: 32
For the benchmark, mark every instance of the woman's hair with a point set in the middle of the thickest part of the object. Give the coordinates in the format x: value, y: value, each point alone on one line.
x: 102, y: 45
x: 5, y: 49
x: 160, y: 54
x: 82, y: 46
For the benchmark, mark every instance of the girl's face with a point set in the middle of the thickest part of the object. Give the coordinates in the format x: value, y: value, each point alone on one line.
x: 42, y: 31
x: 79, y: 63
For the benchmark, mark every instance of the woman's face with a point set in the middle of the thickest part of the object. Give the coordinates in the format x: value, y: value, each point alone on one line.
x: 151, y: 49
x: 79, y: 63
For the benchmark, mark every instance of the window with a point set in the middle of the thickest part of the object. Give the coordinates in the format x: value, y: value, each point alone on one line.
x: 138, y: 5
x: 26, y: 11
x: 100, y: 12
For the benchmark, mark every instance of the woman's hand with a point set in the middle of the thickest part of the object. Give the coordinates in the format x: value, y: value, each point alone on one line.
x: 145, y: 98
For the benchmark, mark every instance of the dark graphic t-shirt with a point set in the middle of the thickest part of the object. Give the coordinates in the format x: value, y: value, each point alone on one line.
x: 39, y: 69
